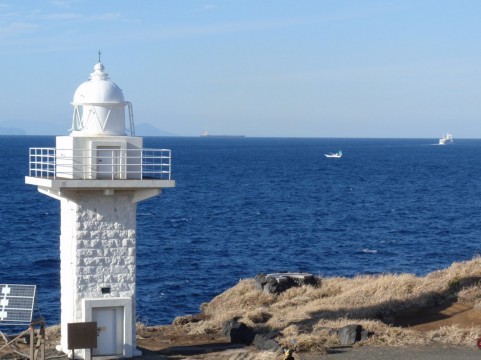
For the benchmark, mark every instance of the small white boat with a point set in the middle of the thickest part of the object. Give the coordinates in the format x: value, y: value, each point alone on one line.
x: 334, y: 155
x: 446, y: 139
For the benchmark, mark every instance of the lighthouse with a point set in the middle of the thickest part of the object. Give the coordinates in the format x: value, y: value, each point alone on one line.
x: 99, y: 172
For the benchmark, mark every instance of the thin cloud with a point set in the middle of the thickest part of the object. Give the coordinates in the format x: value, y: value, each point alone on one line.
x: 37, y: 15
x: 262, y: 25
x: 66, y: 4
x: 17, y: 28
x: 231, y: 27
x: 62, y: 16
x: 106, y: 17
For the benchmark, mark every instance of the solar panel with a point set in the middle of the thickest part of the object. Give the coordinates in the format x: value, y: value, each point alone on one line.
x: 16, y: 303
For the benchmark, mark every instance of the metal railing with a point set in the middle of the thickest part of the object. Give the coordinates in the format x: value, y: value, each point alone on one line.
x: 102, y: 164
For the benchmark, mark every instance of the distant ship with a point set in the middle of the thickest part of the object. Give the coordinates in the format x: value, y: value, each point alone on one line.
x: 446, y: 139
x: 334, y: 155
x: 206, y: 134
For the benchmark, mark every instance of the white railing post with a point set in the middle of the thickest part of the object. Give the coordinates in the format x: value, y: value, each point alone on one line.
x: 124, y: 164
x: 54, y: 163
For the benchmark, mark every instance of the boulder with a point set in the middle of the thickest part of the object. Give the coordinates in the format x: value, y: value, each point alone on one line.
x: 238, y: 332
x: 278, y: 282
x: 267, y: 341
x: 350, y: 334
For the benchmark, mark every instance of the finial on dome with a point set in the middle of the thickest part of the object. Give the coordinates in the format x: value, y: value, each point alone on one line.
x: 99, y: 73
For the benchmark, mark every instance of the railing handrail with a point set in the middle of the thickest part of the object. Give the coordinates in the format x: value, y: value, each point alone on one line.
x: 84, y: 164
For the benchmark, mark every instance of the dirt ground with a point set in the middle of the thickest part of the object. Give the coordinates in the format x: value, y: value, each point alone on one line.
x: 432, y: 318
x: 165, y: 342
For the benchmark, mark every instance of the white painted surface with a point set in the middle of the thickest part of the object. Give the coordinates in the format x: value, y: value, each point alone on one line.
x: 124, y: 322
x: 97, y: 249
x: 79, y: 156
x: 55, y: 186
x: 99, y: 106
x: 108, y: 162
x: 109, y: 330
x: 106, y: 325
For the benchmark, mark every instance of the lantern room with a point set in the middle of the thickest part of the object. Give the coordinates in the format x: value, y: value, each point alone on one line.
x: 99, y: 107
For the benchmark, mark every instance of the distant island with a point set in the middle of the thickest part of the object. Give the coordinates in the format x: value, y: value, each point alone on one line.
x: 142, y: 129
x: 145, y: 129
x: 12, y: 131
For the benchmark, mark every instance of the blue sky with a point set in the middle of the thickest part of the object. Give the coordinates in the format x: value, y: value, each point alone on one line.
x: 320, y: 68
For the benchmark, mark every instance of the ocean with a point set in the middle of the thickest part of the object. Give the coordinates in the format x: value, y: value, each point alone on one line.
x: 244, y: 206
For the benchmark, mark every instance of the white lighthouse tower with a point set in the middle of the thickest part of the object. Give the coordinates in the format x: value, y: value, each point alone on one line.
x: 99, y: 173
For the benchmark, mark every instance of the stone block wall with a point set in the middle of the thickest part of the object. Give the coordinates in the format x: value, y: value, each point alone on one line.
x: 98, y: 250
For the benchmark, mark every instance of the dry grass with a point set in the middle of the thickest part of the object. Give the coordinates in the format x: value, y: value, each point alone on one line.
x: 264, y: 355
x: 304, y: 315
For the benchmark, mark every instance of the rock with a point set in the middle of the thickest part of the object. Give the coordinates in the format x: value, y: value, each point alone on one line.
x: 349, y: 334
x: 267, y: 341
x: 261, y: 280
x: 238, y: 332
x: 279, y: 282
x: 364, y: 335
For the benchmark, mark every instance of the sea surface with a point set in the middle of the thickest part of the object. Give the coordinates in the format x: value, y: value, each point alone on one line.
x: 244, y: 206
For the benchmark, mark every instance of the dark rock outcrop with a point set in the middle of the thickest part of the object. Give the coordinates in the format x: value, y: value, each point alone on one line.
x: 238, y: 332
x: 267, y: 341
x: 350, y: 334
x: 279, y: 282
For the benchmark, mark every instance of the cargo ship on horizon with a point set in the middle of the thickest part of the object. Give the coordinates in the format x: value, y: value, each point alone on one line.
x: 206, y: 134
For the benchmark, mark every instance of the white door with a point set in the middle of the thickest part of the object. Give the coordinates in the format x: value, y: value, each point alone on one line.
x: 108, y: 159
x: 109, y: 330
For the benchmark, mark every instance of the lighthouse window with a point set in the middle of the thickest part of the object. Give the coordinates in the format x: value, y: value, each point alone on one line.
x: 105, y: 290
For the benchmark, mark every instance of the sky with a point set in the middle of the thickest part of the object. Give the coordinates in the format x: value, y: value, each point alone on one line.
x: 274, y: 68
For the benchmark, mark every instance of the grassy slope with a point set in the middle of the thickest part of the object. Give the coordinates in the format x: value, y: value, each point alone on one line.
x: 305, y: 315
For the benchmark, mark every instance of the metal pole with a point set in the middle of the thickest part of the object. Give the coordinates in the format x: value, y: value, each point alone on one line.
x: 32, y: 349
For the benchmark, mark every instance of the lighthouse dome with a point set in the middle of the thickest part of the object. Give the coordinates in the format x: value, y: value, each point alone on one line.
x: 98, y: 89
x: 99, y: 106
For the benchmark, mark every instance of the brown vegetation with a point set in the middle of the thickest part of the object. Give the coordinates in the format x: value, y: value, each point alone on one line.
x: 304, y: 315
